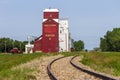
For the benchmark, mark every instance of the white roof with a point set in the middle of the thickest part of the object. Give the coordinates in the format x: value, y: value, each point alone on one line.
x: 50, y: 10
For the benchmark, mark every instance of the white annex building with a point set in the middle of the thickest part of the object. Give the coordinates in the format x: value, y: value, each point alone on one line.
x: 64, y: 36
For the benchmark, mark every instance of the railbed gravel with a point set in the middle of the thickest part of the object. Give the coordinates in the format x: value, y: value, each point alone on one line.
x: 63, y: 70
x: 39, y: 66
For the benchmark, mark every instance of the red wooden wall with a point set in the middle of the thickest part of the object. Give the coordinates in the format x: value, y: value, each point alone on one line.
x: 49, y: 40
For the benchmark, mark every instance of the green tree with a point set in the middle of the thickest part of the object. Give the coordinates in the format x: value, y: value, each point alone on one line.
x: 78, y: 45
x: 111, y: 41
x: 103, y: 44
x: 6, y: 44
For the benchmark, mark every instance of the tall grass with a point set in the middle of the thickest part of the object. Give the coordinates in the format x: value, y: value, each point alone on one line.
x: 18, y: 74
x: 104, y: 62
x: 7, y: 61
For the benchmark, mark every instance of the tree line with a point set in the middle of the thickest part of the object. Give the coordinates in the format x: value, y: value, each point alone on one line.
x: 6, y: 44
x: 78, y: 45
x: 111, y: 41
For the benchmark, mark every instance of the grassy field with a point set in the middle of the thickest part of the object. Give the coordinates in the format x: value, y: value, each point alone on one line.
x: 107, y: 62
x: 7, y: 61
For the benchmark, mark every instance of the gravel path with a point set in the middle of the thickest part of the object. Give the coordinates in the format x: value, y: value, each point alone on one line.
x: 63, y: 70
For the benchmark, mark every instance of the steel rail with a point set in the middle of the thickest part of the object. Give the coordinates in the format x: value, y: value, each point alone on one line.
x: 101, y: 76
x: 51, y: 75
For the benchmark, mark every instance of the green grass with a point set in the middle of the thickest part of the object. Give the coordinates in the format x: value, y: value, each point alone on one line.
x: 70, y: 53
x: 7, y: 61
x: 108, y: 62
x: 18, y: 74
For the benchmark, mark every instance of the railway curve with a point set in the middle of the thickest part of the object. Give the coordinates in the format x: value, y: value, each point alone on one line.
x: 100, y: 75
x: 61, y: 69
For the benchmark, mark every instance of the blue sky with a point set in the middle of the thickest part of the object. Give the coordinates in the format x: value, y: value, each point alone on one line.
x: 88, y: 19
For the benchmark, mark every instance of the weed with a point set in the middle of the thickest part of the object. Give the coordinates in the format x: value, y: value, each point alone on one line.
x: 106, y: 62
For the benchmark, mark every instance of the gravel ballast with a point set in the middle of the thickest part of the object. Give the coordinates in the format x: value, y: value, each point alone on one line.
x: 63, y: 70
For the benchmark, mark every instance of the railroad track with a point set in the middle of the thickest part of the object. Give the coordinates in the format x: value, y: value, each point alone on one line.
x: 51, y: 75
x: 64, y: 68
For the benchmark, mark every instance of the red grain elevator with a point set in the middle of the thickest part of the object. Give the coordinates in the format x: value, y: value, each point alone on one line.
x: 48, y: 42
